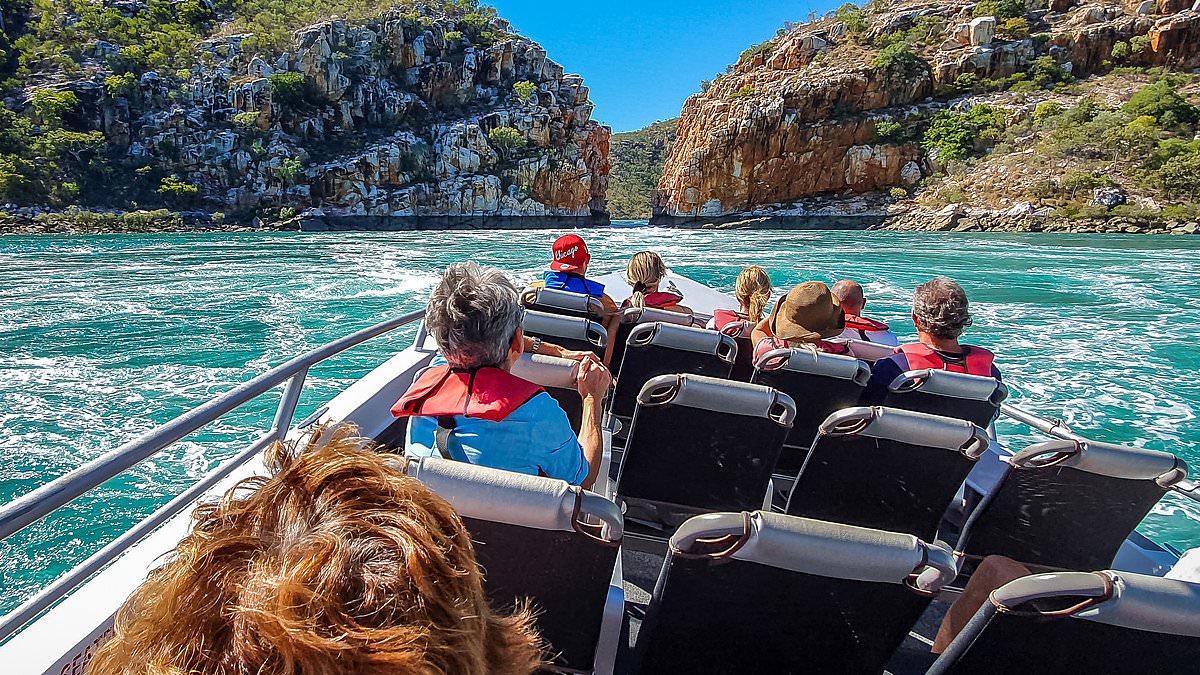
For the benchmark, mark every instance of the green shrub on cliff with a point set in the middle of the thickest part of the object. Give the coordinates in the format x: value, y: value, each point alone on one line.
x: 1001, y: 9
x: 50, y: 106
x: 507, y: 140
x: 124, y: 84
x: 1162, y: 101
x: 174, y: 187
x: 953, y: 135
x: 1120, y: 52
x: 745, y: 92
x: 899, y: 60
x: 287, y: 88
x: 890, y: 133
x: 852, y: 17
x: 762, y: 48
x: 524, y: 89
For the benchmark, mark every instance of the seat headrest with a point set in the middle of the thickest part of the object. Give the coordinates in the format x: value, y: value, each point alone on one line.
x: 822, y: 548
x: 1103, y: 459
x: 687, y: 338
x: 717, y: 395
x: 865, y: 350
x: 514, y: 498
x: 1124, y: 599
x: 813, y: 362
x: 653, y: 314
x: 954, y: 385
x: 546, y: 371
x: 906, y: 426
x: 570, y: 327
x: 553, y: 297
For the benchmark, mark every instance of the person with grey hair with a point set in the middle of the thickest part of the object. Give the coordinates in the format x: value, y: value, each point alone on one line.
x: 468, y: 406
x: 940, y: 313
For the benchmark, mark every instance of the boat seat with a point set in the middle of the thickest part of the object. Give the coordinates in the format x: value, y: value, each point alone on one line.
x: 973, y: 398
x: 568, y: 332
x: 631, y: 317
x: 700, y: 444
x: 660, y: 348
x: 889, y: 469
x: 565, y: 303
x: 1068, y: 505
x: 743, y: 365
x: 557, y: 377
x: 820, y: 384
x: 541, y: 539
x: 866, y: 350
x: 769, y: 593
x: 1065, y: 623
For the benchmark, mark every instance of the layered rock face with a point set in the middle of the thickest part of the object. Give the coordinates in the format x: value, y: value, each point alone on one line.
x: 394, y: 121
x: 798, y: 117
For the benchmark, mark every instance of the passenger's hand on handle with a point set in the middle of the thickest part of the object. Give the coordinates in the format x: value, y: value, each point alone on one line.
x: 592, y: 379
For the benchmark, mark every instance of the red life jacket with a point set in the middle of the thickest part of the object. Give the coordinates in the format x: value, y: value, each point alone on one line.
x: 920, y: 357
x: 485, y: 393
x: 662, y: 299
x: 859, y: 323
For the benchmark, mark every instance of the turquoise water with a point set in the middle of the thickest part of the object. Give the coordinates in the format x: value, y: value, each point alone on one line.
x: 103, y: 337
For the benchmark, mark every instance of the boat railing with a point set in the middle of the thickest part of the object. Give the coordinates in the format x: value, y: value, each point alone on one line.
x: 1188, y: 488
x: 42, y: 501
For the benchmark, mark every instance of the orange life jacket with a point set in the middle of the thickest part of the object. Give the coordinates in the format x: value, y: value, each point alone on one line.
x: 921, y: 357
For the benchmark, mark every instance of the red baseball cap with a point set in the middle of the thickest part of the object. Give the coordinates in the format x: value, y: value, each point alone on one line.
x: 570, y: 254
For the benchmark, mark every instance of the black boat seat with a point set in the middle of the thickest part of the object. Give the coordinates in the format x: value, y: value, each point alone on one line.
x: 658, y: 348
x: 565, y: 303
x: 631, y: 317
x: 768, y: 593
x: 974, y: 398
x: 889, y: 469
x: 569, y: 332
x: 700, y: 444
x: 1065, y: 623
x: 542, y: 539
x: 820, y: 384
x: 866, y: 350
x: 1068, y: 505
x: 557, y: 377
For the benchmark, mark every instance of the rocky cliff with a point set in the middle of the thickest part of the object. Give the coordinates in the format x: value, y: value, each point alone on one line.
x: 413, y: 111
x: 838, y: 106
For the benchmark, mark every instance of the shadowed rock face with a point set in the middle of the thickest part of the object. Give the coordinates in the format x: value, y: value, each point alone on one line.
x: 394, y: 121
x: 798, y: 119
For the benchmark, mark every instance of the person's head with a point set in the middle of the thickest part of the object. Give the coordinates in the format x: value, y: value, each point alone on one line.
x: 337, y: 564
x: 940, y: 309
x: 850, y: 294
x: 570, y: 255
x: 808, y: 313
x: 753, y: 291
x: 474, y: 313
x: 644, y: 271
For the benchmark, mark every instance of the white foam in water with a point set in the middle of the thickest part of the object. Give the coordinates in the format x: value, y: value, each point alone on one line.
x: 103, y: 338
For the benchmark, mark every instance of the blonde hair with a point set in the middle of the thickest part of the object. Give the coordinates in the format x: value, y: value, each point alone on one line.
x: 337, y: 564
x: 645, y: 269
x: 753, y: 291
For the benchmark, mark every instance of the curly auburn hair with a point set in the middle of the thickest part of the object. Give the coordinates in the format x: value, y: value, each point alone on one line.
x: 336, y: 564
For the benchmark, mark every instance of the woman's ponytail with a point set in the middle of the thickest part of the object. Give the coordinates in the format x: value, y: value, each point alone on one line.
x: 645, y: 269
x: 753, y: 291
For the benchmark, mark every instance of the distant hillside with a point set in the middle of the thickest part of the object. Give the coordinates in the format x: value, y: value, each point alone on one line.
x: 637, y: 159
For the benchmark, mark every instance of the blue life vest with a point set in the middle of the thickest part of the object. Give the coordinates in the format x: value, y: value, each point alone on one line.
x: 565, y: 281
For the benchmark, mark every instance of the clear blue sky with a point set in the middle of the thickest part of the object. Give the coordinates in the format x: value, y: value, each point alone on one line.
x: 642, y: 58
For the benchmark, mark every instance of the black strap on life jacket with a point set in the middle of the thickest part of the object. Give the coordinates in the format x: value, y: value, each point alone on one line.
x: 446, y: 423
x: 441, y: 437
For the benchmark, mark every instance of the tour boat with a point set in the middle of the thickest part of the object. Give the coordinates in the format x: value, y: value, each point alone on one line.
x: 57, y: 630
